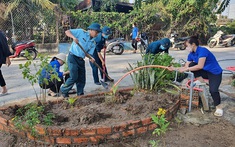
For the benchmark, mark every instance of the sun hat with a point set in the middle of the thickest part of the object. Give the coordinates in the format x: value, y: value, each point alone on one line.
x: 106, y: 31
x: 94, y: 26
x: 61, y: 56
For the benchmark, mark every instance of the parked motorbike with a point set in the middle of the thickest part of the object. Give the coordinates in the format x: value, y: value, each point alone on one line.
x: 178, y: 42
x: 219, y: 39
x: 142, y: 42
x: 115, y: 46
x: 20, y: 48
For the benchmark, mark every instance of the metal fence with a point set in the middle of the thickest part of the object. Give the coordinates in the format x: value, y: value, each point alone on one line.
x: 30, y: 22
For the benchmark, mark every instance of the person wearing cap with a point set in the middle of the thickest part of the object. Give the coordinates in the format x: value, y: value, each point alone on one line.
x: 100, y: 44
x: 46, y: 79
x: 76, y: 63
x: 159, y: 46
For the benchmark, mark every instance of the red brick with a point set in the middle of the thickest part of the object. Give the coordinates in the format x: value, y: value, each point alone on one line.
x: 114, y: 136
x: 62, y: 140
x: 41, y: 130
x: 128, y: 133
x: 11, y: 123
x: 29, y: 136
x: 21, y: 133
x: 169, y: 116
x: 70, y: 132
x: 152, y: 126
x: 88, y: 131
x: 80, y: 140
x: 134, y: 124
x: 120, y: 127
x: 2, y: 127
x: 54, y: 131
x: 184, y: 97
x: 104, y: 130
x: 3, y: 120
x: 95, y: 140
x: 142, y: 130
x: 100, y: 137
x: 49, y: 140
x: 147, y: 121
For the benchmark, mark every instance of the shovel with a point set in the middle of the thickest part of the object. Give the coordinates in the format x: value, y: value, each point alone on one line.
x: 103, y: 82
x: 105, y: 85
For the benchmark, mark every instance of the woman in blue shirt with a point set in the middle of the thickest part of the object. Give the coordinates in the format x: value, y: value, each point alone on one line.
x: 203, y: 63
x: 45, y: 79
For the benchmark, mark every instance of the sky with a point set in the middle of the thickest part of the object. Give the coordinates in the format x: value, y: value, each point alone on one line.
x: 230, y: 11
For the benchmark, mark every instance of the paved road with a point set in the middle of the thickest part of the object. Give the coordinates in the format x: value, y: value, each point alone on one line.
x: 20, y: 88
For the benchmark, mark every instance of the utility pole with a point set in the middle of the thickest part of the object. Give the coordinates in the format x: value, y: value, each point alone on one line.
x: 13, y: 29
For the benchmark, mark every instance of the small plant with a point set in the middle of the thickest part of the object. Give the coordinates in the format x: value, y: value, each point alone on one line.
x: 233, y: 83
x: 29, y: 116
x: 154, y: 79
x: 71, y: 101
x: 114, y: 90
x: 154, y: 143
x: 161, y: 122
x: 178, y: 121
x: 33, y: 77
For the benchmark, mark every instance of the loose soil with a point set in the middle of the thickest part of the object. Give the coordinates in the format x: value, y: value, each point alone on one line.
x: 106, y: 110
x: 102, y: 111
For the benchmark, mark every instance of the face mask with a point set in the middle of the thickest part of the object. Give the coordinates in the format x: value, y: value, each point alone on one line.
x: 106, y: 36
x: 189, y: 49
x: 162, y: 47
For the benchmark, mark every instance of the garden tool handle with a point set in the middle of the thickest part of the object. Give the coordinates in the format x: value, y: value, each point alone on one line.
x: 104, y: 67
x: 89, y: 56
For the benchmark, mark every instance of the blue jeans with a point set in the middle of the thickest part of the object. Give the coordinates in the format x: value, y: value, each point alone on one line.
x: 95, y: 68
x: 77, y: 75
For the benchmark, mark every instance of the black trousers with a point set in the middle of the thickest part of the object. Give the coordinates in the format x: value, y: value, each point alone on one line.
x: 53, y: 85
x: 214, y: 82
x: 134, y: 44
x: 2, y: 81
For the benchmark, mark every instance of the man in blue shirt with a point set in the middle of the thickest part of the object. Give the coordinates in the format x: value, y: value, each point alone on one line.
x: 134, y: 35
x: 159, y: 46
x: 76, y: 57
x: 100, y: 44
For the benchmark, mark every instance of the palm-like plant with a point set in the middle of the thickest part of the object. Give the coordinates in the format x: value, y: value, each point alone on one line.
x: 47, y: 4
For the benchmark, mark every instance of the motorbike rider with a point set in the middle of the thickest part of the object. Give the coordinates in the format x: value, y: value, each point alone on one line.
x: 159, y: 46
x: 100, y: 44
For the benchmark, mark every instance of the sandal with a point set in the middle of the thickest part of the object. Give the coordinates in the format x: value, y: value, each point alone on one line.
x: 2, y: 94
x: 219, y: 112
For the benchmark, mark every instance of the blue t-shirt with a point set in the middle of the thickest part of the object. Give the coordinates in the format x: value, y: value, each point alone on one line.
x: 45, y: 74
x: 84, y: 40
x: 153, y: 47
x: 211, y: 65
x: 100, y: 42
x: 134, y: 32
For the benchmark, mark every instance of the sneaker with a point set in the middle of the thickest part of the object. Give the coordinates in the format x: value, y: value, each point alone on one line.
x: 65, y: 95
x: 134, y: 51
x: 80, y: 94
x: 97, y: 83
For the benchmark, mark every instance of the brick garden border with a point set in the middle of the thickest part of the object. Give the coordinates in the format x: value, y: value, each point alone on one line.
x: 54, y: 135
